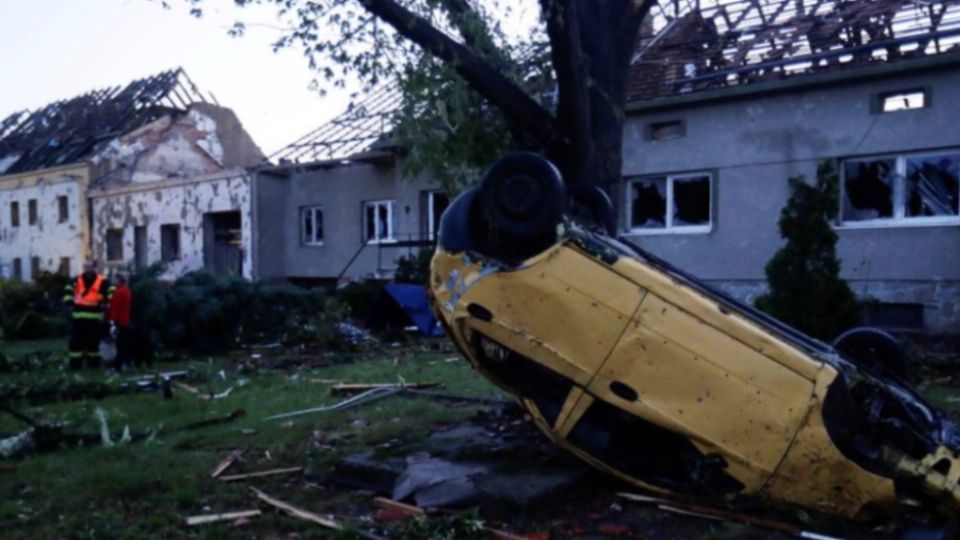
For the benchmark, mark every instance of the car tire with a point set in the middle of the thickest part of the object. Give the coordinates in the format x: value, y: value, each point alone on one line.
x: 874, y: 350
x: 523, y: 197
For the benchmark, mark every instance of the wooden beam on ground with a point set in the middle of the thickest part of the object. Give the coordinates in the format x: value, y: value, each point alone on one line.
x: 353, y: 388
x: 228, y: 516
x: 297, y: 511
x: 227, y: 462
x: 259, y: 474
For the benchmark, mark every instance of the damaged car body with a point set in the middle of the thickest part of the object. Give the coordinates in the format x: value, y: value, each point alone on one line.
x: 646, y: 373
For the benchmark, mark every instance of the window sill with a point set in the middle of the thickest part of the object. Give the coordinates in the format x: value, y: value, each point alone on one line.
x: 381, y: 241
x: 897, y: 224
x: 673, y: 230
x: 311, y: 244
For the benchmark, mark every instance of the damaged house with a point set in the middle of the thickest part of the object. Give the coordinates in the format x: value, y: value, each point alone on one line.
x: 726, y: 103
x: 729, y: 101
x: 337, y: 206
x: 150, y: 172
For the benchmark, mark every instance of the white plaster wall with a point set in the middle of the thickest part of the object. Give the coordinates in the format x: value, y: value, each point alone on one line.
x: 182, y: 202
x: 47, y: 239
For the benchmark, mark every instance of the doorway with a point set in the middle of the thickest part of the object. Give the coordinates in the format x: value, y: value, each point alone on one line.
x: 223, y: 242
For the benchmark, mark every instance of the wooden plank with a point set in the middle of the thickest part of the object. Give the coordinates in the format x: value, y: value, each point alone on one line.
x: 636, y: 497
x: 326, y: 381
x: 353, y: 388
x: 228, y: 516
x: 227, y: 462
x: 259, y: 474
x: 297, y: 511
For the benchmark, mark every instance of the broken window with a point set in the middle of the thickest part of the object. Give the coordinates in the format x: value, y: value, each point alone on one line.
x: 903, y: 100
x: 17, y: 269
x: 312, y: 219
x: 678, y: 203
x: 169, y: 242
x: 931, y: 187
x: 437, y: 202
x: 868, y: 189
x: 661, y: 131
x: 115, y: 244
x: 64, y: 268
x: 63, y: 209
x: 378, y: 222
x: 32, y: 211
x: 34, y: 267
x: 14, y: 214
x: 901, y: 189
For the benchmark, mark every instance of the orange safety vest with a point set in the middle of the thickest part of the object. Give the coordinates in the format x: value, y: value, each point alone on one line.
x: 89, y: 297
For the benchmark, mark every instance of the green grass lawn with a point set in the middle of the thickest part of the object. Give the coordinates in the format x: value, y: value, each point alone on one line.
x: 16, y: 348
x: 146, y: 489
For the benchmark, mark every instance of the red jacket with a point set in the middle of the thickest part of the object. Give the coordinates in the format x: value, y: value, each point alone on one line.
x: 119, y: 311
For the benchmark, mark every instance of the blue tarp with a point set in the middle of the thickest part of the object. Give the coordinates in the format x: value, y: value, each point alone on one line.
x: 413, y: 300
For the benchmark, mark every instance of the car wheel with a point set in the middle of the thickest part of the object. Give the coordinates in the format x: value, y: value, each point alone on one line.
x: 523, y: 200
x: 874, y: 350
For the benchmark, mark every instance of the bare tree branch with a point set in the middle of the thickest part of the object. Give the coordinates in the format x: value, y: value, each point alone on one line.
x: 487, y: 81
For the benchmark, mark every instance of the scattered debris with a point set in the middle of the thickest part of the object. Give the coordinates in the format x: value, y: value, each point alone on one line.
x: 351, y: 388
x: 365, y: 397
x: 258, y: 474
x: 325, y: 381
x: 414, y: 511
x: 239, y: 413
x: 227, y: 462
x: 228, y: 516
x: 296, y: 511
x: 201, y: 394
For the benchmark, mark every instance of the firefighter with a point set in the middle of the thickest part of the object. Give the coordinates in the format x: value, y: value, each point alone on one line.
x: 88, y: 296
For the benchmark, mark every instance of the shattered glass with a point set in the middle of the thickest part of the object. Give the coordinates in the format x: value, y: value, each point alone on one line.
x: 371, y: 222
x: 691, y: 201
x: 868, y: 189
x: 649, y: 204
x: 932, y: 186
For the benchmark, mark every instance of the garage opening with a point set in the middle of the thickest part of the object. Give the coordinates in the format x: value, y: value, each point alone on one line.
x: 223, y: 243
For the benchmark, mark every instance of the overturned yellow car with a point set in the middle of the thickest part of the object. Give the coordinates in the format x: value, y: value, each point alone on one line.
x: 648, y: 374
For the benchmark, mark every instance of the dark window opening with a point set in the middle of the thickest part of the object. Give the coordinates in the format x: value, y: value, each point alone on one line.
x: 64, y: 268
x: 140, y: 246
x: 868, y: 189
x: 379, y: 221
x: 691, y: 201
x: 63, y: 209
x: 169, y: 242
x: 932, y: 186
x: 649, y: 452
x: 15, y: 214
x: 32, y: 211
x: 34, y: 267
x: 649, y: 204
x: 545, y: 387
x: 115, y: 245
x: 17, y: 269
x: 437, y: 202
x: 661, y: 131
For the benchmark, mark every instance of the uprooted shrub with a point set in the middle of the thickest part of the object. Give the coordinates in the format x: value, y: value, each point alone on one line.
x: 33, y: 310
x: 206, y: 313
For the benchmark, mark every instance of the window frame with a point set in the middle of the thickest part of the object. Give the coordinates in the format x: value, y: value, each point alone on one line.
x: 881, y: 98
x: 63, y: 209
x: 14, y: 214
x: 899, y: 219
x: 106, y: 246
x: 179, y: 236
x: 433, y: 232
x: 668, y: 226
x: 391, y: 221
x: 33, y: 213
x: 303, y: 225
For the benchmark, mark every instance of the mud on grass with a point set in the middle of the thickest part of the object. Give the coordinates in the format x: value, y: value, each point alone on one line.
x: 146, y: 490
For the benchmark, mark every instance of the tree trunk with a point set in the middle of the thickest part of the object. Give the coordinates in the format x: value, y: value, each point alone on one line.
x: 592, y: 44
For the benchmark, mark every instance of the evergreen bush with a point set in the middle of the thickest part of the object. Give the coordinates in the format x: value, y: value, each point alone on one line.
x: 806, y: 290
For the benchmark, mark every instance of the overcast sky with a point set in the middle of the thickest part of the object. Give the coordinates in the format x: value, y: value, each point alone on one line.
x: 55, y: 49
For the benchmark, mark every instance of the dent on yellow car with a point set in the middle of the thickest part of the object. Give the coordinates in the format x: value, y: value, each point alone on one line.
x: 649, y: 375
